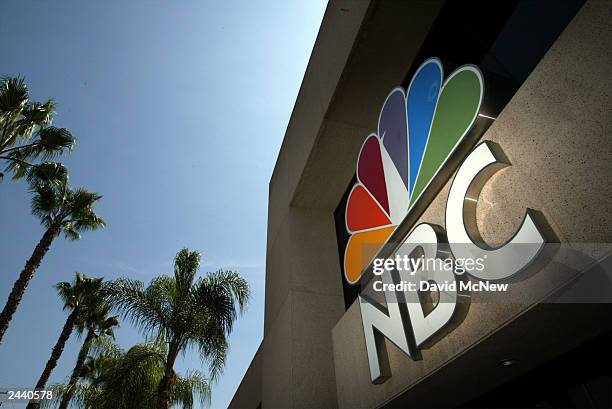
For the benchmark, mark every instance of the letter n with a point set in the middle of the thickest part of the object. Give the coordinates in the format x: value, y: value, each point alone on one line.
x: 381, y: 322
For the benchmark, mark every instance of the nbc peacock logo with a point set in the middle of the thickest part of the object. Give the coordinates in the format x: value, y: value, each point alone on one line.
x: 418, y: 130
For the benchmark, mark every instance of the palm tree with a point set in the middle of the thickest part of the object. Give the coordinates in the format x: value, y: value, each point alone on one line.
x: 25, y: 131
x: 60, y: 209
x: 76, y: 296
x: 98, y: 324
x: 116, y: 379
x: 184, y: 311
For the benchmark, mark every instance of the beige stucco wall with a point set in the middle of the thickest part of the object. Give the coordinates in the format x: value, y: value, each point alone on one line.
x: 556, y: 132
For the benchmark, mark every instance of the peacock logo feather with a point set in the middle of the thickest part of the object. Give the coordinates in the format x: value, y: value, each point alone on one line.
x: 418, y: 130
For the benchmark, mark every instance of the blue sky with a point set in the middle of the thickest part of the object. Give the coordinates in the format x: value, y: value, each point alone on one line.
x: 179, y: 109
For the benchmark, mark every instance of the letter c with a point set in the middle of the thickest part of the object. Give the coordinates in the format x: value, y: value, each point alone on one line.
x: 501, y: 262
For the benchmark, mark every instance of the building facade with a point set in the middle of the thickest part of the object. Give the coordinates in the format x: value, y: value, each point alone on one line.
x: 543, y: 113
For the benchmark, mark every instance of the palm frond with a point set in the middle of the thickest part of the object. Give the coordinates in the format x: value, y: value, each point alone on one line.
x: 144, y: 308
x: 18, y: 164
x: 48, y: 173
x: 56, y: 204
x: 213, y: 352
x: 36, y: 114
x: 13, y: 93
x: 81, y: 213
x: 186, y: 266
x: 222, y: 296
x: 81, y: 202
x: 82, y: 393
x: 50, y: 142
x: 70, y: 233
x: 192, y: 384
x: 104, y: 346
x: 78, y: 293
x: 44, y: 202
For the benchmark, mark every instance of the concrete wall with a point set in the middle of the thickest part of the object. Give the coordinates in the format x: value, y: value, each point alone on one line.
x: 556, y: 133
x: 301, y: 303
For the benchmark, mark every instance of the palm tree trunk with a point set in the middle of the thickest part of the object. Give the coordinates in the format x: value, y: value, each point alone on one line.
x: 165, y: 385
x: 55, y: 355
x: 77, y: 369
x: 22, y: 282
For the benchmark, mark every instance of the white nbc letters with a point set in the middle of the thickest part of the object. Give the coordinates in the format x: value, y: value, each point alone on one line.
x: 404, y: 311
